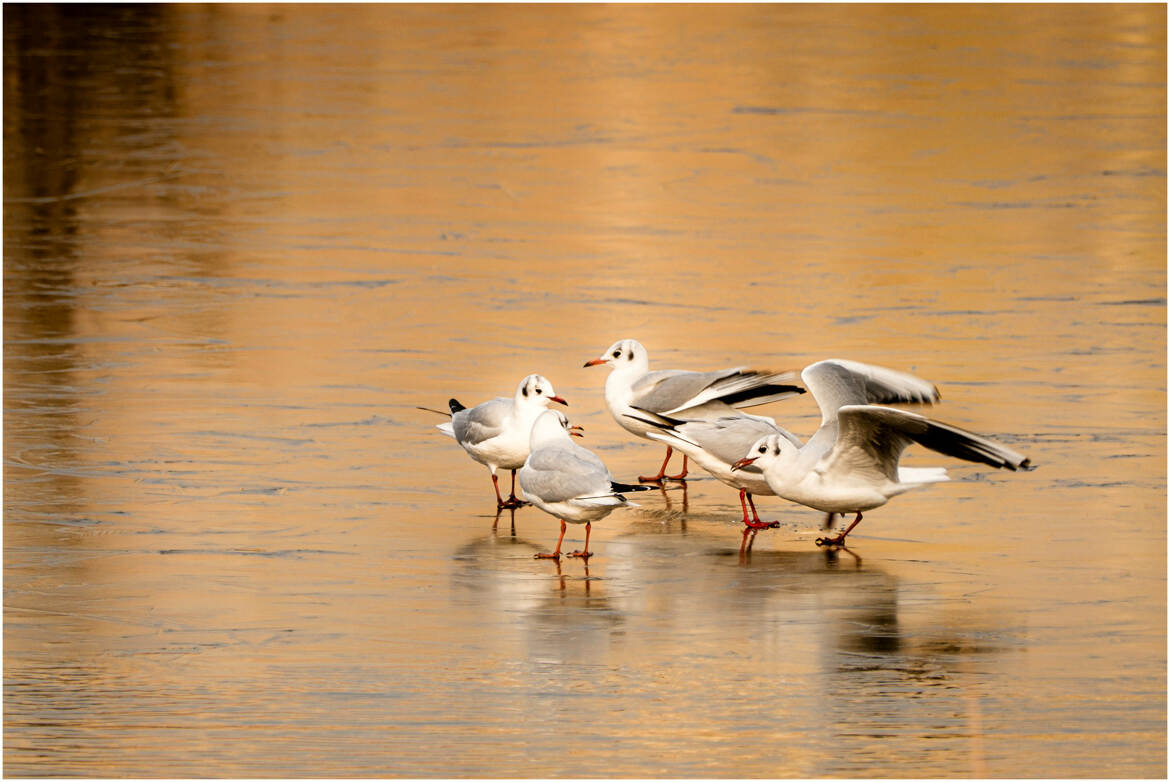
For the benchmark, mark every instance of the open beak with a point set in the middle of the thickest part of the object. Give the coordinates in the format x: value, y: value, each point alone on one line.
x: 742, y: 463
x: 594, y: 362
x: 558, y: 399
x: 576, y: 431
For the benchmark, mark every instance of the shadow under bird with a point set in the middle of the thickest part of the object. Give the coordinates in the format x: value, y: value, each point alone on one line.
x: 568, y: 481
x: 639, y: 399
x: 860, y: 470
x: 717, y: 444
x: 496, y: 433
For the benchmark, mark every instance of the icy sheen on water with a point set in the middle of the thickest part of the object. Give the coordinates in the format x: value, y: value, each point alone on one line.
x: 243, y: 242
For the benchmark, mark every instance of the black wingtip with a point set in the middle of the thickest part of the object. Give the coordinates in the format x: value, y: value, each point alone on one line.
x: 625, y: 487
x: 455, y: 406
x: 773, y: 392
x: 655, y: 419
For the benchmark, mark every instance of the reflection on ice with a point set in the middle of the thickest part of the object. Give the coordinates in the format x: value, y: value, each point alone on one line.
x: 821, y: 630
x: 666, y: 575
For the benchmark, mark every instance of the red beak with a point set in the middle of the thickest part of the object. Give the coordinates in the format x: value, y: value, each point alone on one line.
x: 594, y: 362
x: 742, y: 463
x: 558, y: 399
x: 576, y: 431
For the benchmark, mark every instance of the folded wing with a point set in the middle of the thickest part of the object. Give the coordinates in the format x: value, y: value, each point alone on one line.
x: 672, y: 391
x: 482, y: 422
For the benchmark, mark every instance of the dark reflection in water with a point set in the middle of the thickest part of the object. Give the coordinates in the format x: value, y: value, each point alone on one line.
x: 857, y: 604
x: 827, y: 609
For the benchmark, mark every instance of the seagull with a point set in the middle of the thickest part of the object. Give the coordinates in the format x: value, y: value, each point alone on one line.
x: 860, y: 471
x: 632, y: 389
x: 568, y: 481
x: 496, y: 433
x: 716, y: 444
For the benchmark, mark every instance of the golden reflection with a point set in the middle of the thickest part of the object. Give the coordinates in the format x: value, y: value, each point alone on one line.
x: 243, y: 242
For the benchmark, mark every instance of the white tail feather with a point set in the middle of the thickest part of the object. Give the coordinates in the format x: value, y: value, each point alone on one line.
x: 917, y: 475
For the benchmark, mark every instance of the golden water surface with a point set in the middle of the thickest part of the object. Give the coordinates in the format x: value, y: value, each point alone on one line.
x: 243, y: 242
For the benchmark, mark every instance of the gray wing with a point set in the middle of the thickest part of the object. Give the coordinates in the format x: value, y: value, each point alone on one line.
x: 482, y: 422
x: 671, y: 391
x: 561, y: 473
x: 728, y: 439
x: 837, y: 382
x: 871, y: 440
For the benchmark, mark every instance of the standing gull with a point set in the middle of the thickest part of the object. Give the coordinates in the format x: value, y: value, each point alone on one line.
x: 860, y: 471
x: 633, y: 393
x: 716, y: 444
x: 568, y: 481
x: 496, y: 433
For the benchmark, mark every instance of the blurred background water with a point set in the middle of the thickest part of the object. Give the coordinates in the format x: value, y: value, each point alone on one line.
x: 243, y: 242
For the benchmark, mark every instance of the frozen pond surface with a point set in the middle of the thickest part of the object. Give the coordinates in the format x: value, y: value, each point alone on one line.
x: 242, y: 243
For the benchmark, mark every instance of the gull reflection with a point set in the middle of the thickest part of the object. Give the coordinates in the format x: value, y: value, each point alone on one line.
x: 679, y: 487
x: 824, y: 628
x: 820, y: 610
x: 561, y: 610
x: 729, y: 592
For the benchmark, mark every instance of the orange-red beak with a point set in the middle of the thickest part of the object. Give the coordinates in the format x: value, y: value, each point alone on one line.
x: 576, y: 431
x: 594, y: 362
x: 558, y: 399
x: 742, y: 463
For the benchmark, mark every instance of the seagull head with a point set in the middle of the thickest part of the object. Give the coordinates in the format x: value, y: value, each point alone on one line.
x: 573, y: 429
x: 549, y: 428
x: 622, y: 354
x: 536, y: 390
x: 763, y: 452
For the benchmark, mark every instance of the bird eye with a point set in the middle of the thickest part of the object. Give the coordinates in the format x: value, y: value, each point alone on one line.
x: 763, y: 449
x: 617, y: 354
x: 539, y: 391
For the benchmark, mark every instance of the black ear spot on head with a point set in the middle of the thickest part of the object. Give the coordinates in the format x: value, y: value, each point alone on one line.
x: 524, y: 390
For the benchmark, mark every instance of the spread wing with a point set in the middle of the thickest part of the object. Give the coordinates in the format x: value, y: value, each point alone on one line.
x: 482, y: 422
x: 837, y: 382
x: 871, y: 439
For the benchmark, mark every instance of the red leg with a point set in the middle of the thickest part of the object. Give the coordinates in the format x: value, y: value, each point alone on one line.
x: 755, y: 522
x: 743, y: 504
x: 840, y: 539
x: 513, y: 501
x: 661, y: 470
x: 556, y: 554
x: 584, y: 554
x: 496, y: 486
x: 682, y: 474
